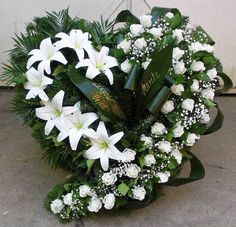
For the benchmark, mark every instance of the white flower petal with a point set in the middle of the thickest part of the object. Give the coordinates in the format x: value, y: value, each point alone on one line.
x: 74, y: 138
x: 48, y: 127
x: 116, y: 137
x: 93, y: 152
x: 104, y: 160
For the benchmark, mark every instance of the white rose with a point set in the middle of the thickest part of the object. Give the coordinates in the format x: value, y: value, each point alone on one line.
x: 146, y: 63
x: 208, y: 94
x: 178, y: 35
x: 140, y: 43
x: 177, y: 89
x: 125, y: 45
x: 212, y: 73
x: 178, y: 131
x: 139, y: 193
x: 156, y: 32
x: 205, y: 118
x: 191, y: 139
x: 179, y: 68
x: 164, y: 177
x: 129, y: 155
x: 195, y: 47
x: 177, y: 155
x: 188, y: 104
x: 177, y: 53
x: 84, y: 190
x: 109, y: 201
x: 167, y: 107
x: 149, y: 160
x: 169, y: 15
x: 126, y: 66
x: 95, y: 204
x: 146, y: 20
x: 57, y: 206
x: 164, y: 146
x: 147, y: 140
x: 136, y: 29
x: 158, y: 129
x: 195, y: 85
x: 68, y: 199
x: 208, y: 48
x: 197, y: 66
x: 109, y: 178
x: 132, y: 171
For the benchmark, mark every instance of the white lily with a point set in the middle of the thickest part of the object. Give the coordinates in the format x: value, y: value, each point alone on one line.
x: 36, y: 84
x: 77, y: 127
x: 77, y: 40
x: 103, y: 147
x: 46, y: 53
x: 54, y: 113
x: 99, y: 62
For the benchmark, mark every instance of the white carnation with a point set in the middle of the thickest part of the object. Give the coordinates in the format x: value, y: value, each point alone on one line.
x: 205, y: 118
x: 195, y: 85
x: 126, y: 66
x: 179, y: 68
x: 147, y: 140
x: 146, y: 20
x: 177, y: 89
x: 169, y: 15
x: 129, y: 155
x: 140, y: 43
x: 109, y: 178
x: 125, y: 45
x: 164, y: 177
x: 197, y: 46
x: 197, y: 66
x: 208, y: 94
x: 95, y: 204
x: 191, y: 139
x: 136, y: 29
x: 68, y: 199
x: 57, y: 206
x: 109, y: 201
x: 146, y: 63
x: 139, y: 193
x: 156, y: 32
x: 188, y: 104
x: 164, y: 146
x: 167, y: 107
x: 212, y: 73
x: 178, y: 130
x: 132, y: 171
x: 178, y: 35
x: 177, y: 53
x: 158, y: 129
x: 84, y: 190
x: 177, y: 155
x: 149, y: 160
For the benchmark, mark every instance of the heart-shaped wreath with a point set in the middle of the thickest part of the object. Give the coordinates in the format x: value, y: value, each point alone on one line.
x: 120, y: 108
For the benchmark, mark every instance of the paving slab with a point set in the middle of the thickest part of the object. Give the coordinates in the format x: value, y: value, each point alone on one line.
x: 25, y: 180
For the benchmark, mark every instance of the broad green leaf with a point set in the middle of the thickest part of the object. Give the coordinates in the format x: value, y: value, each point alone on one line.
x: 227, y: 83
x: 123, y: 189
x: 133, y: 78
x: 127, y: 17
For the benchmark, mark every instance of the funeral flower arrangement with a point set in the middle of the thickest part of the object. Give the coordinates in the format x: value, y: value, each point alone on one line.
x: 119, y: 108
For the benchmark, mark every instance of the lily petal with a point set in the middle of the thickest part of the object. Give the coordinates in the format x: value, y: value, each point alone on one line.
x: 74, y: 138
x: 116, y: 137
x: 104, y: 160
x: 48, y: 127
x: 93, y: 152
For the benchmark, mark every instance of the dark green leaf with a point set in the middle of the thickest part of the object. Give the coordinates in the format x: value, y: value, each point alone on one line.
x: 227, y: 83
x: 123, y: 189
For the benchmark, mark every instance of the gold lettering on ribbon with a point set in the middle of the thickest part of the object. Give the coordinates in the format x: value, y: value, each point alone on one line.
x: 147, y: 85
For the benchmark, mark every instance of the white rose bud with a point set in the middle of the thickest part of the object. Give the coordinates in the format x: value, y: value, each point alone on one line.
x: 197, y: 66
x: 147, y: 140
x: 205, y: 118
x: 136, y: 29
x: 178, y: 131
x: 140, y: 43
x: 177, y: 155
x: 177, y: 89
x: 177, y: 53
x: 179, y: 68
x: 208, y: 94
x: 164, y: 177
x: 178, y: 35
x: 169, y: 15
x: 139, y: 193
x: 125, y: 45
x: 156, y: 32
x: 149, y: 160
x: 68, y: 199
x: 194, y: 86
x: 94, y: 205
x: 146, y: 63
x: 109, y: 178
x: 212, y: 74
x: 57, y: 206
x: 129, y: 155
x: 132, y: 171
x: 158, y: 129
x: 191, y: 139
x: 109, y: 201
x: 167, y: 107
x: 188, y: 104
x: 126, y: 66
x: 84, y: 190
x: 164, y: 146
x: 146, y: 20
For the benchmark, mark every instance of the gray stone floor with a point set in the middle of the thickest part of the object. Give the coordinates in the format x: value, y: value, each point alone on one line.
x: 25, y: 180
